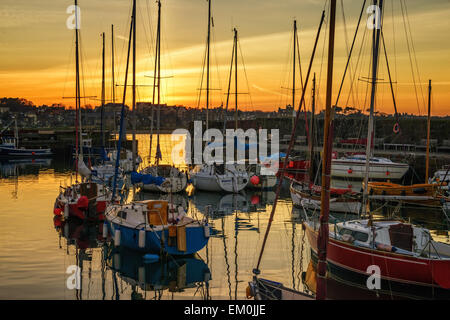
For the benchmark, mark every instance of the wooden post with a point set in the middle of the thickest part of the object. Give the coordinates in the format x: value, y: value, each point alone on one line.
x: 427, y: 161
x: 322, y: 240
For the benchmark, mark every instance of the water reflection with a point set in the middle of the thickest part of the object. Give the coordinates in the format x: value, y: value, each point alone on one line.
x: 36, y: 250
x: 150, y: 280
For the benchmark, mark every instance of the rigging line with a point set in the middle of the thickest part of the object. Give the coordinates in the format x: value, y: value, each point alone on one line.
x: 213, y: 38
x: 390, y: 79
x: 301, y: 82
x: 351, y: 51
x: 291, y: 144
x: 228, y: 91
x: 346, y: 41
x: 414, y: 54
x: 410, y: 58
x: 246, y: 77
x: 201, y: 78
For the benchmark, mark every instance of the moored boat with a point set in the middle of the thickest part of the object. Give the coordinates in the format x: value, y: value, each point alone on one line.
x: 308, y: 195
x: 403, y: 253
x: 156, y: 226
x: 354, y: 167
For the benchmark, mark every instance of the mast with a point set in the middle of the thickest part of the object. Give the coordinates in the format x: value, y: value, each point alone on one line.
x: 78, y: 134
x: 293, y: 72
x: 311, y: 134
x: 122, y: 112
x: 112, y: 67
x: 322, y: 240
x: 158, y: 66
x: 235, y: 79
x: 370, y: 130
x: 103, y: 93
x: 208, y: 42
x: 427, y: 161
x: 134, y: 87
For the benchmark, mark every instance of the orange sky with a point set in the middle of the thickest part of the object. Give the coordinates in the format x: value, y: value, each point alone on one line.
x: 37, y: 50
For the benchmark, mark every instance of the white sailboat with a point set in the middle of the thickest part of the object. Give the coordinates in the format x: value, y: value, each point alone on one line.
x: 380, y: 168
x: 174, y: 179
x: 217, y: 177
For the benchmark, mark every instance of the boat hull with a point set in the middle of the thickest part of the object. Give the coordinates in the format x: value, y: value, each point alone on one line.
x: 129, y: 238
x: 393, y: 267
x: 357, y: 170
x: 15, y: 152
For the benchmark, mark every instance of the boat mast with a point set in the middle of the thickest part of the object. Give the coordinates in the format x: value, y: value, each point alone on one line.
x: 370, y: 130
x: 208, y: 62
x: 112, y: 67
x: 235, y: 79
x: 103, y: 93
x: 134, y: 88
x: 158, y: 84
x: 311, y: 134
x: 78, y: 134
x: 427, y: 161
x: 293, y: 73
x: 122, y: 112
x: 322, y: 240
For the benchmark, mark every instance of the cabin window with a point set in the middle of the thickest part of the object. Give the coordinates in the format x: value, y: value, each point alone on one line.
x: 357, y: 235
x: 122, y: 214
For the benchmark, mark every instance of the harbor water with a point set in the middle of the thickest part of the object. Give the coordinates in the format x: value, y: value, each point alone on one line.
x: 38, y: 254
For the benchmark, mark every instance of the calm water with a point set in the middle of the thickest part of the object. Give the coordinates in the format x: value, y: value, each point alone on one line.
x: 35, y: 255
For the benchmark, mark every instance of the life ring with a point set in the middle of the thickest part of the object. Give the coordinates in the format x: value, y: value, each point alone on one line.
x: 396, y: 128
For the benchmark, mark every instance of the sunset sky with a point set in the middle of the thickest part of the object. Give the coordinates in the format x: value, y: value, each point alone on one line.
x: 37, y: 50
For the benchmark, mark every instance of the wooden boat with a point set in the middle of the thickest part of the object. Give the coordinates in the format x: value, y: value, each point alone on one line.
x: 417, y: 194
x: 156, y: 226
x: 403, y: 252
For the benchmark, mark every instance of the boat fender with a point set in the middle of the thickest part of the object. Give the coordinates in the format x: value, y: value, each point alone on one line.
x: 350, y: 171
x: 66, y: 231
x: 105, y: 231
x: 141, y: 239
x: 388, y: 173
x: 149, y: 258
x: 249, y: 292
x: 83, y: 202
x: 66, y: 210
x: 57, y: 212
x: 255, y: 180
x: 207, y: 231
x: 117, y: 238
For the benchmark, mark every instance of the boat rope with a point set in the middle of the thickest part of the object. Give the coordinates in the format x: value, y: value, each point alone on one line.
x: 291, y: 144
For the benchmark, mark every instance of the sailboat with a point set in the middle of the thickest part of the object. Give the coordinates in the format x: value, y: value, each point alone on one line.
x: 84, y: 200
x: 152, y: 226
x: 174, y: 180
x: 215, y: 177
x: 423, y: 194
x: 403, y: 253
x: 9, y: 146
